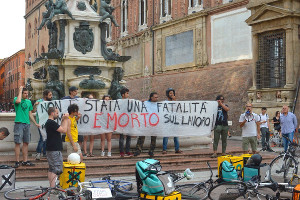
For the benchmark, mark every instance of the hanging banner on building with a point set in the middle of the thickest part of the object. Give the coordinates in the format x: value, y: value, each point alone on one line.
x: 137, y: 118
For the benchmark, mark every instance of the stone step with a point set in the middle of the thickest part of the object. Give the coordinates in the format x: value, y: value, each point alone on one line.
x: 117, y: 166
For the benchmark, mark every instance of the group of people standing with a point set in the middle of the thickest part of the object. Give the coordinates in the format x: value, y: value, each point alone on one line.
x: 254, y: 127
x: 74, y: 142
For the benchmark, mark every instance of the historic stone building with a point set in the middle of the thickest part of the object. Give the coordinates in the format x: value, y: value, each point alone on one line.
x: 275, y: 38
x: 12, y: 72
x: 201, y: 48
x: 243, y: 49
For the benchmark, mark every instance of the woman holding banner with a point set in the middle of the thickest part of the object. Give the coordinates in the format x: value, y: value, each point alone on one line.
x: 106, y: 135
x: 170, y: 93
x: 86, y: 137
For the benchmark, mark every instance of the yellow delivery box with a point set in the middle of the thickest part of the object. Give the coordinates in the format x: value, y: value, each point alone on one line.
x: 71, y: 174
x: 173, y: 196
x: 236, y: 161
x: 246, y: 157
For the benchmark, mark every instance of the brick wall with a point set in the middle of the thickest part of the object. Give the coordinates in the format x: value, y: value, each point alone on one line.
x: 231, y: 79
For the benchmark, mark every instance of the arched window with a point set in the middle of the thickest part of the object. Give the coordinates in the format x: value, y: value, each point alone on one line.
x: 43, y: 49
x: 35, y: 26
x: 165, y: 10
x: 195, y: 6
x: 35, y: 54
x: 124, y: 18
x: 29, y: 60
x: 29, y: 31
x: 143, y: 10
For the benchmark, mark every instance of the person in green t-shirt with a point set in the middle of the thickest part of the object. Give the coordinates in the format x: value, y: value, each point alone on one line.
x: 23, y: 108
x: 47, y: 96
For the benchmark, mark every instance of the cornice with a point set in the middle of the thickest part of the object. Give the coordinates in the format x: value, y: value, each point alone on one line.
x: 282, y: 12
x: 34, y: 8
x: 227, y: 6
x: 252, y: 4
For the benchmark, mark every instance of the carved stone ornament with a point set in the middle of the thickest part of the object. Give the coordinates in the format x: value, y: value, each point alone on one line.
x: 107, y: 53
x: 84, y: 70
x: 54, y: 84
x: 91, y: 83
x: 81, y: 6
x: 83, y: 38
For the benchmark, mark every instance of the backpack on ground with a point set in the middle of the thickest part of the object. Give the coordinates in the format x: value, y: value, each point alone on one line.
x: 151, y: 180
x: 227, y: 171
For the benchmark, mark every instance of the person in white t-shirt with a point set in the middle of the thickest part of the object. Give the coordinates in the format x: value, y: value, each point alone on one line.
x: 265, y: 130
x: 250, y: 124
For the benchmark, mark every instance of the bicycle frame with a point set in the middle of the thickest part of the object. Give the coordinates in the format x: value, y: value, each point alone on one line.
x: 107, y: 180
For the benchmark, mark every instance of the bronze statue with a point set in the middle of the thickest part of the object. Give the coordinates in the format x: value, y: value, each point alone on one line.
x: 60, y: 7
x: 47, y: 14
x: 57, y: 87
x: 115, y: 88
x: 91, y: 83
x: 106, y: 12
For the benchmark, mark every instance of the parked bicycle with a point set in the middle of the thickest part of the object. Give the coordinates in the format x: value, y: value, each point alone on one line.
x: 188, y: 191
x: 285, y: 165
x: 30, y: 193
x: 253, y: 189
x: 275, y: 139
x: 196, y: 190
x: 107, y: 188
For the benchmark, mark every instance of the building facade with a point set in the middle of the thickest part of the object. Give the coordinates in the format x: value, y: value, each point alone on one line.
x: 12, y: 70
x: 201, y: 48
x: 275, y: 38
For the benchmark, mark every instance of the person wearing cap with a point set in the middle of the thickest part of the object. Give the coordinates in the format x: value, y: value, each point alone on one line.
x: 72, y: 93
x: 170, y: 93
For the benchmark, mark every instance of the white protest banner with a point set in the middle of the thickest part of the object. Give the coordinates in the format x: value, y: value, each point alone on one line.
x: 136, y: 118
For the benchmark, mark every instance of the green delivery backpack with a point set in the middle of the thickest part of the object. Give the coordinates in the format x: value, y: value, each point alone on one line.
x: 151, y: 180
x: 227, y: 171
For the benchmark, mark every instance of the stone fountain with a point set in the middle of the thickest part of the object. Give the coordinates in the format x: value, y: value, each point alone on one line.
x: 77, y: 52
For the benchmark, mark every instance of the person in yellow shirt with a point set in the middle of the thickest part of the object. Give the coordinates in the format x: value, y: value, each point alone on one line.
x: 72, y: 131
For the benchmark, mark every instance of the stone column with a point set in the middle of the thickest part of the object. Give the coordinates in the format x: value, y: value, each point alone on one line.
x: 255, y: 57
x: 290, y: 82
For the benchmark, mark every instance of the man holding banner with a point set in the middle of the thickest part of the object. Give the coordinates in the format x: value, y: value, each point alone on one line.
x: 72, y: 131
x: 139, y: 146
x: 125, y: 95
x: 170, y: 93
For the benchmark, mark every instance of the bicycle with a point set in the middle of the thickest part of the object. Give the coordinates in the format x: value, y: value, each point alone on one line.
x: 107, y: 188
x: 175, y: 177
x: 253, y: 189
x: 275, y: 139
x: 285, y: 165
x: 196, y: 190
x: 30, y: 193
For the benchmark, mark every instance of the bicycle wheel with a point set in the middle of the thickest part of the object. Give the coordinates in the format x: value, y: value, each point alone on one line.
x: 25, y: 193
x: 283, y: 167
x: 261, y: 193
x: 192, y: 191
x: 228, y: 191
x: 125, y: 190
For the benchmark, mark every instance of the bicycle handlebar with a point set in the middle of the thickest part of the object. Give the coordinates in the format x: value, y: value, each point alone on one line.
x: 291, y: 143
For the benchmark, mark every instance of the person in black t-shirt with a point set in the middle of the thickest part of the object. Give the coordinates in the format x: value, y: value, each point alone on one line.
x: 54, y: 144
x: 221, y: 126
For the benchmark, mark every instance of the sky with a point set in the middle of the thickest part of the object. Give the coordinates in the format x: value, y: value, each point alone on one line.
x: 12, y: 23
